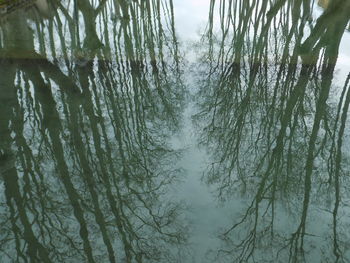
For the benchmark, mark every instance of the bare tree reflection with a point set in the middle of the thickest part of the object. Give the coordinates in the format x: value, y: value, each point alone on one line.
x: 89, y: 97
x: 275, y: 128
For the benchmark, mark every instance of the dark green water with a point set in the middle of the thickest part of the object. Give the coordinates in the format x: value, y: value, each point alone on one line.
x: 175, y: 131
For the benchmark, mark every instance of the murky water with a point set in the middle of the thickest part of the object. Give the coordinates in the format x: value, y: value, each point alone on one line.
x: 174, y: 131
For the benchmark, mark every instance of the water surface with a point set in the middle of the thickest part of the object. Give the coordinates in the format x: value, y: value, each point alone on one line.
x: 174, y: 131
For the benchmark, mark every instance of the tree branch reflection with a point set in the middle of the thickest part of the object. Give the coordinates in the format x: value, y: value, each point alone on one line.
x: 90, y: 96
x: 268, y: 116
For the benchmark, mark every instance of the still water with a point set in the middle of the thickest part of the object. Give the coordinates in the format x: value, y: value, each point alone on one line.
x: 174, y: 131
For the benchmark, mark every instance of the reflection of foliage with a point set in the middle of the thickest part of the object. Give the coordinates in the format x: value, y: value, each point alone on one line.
x: 84, y: 160
x: 269, y: 126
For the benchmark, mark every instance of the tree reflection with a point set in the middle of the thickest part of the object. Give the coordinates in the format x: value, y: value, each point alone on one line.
x: 89, y: 96
x: 275, y: 126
